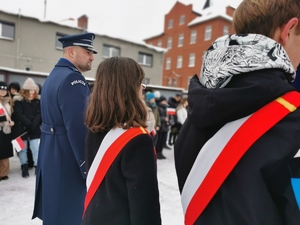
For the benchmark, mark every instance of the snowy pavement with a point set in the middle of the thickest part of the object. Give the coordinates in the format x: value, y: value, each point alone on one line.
x: 17, y: 194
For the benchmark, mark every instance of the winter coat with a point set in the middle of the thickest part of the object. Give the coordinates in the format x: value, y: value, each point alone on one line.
x: 155, y: 113
x: 6, y: 149
x: 258, y: 190
x: 128, y: 194
x: 164, y: 125
x: 27, y: 118
x: 60, y: 177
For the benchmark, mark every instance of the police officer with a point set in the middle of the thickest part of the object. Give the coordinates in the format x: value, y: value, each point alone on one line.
x: 60, y: 177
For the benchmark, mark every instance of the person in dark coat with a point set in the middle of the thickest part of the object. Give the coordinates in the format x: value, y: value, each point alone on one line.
x: 6, y: 123
x: 173, y: 102
x: 162, y: 132
x: 128, y: 193
x: 27, y: 117
x: 241, y: 73
x: 14, y: 88
x: 61, y: 174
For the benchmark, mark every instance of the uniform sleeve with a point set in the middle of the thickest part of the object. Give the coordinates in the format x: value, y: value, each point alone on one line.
x: 73, y: 95
x: 139, y: 169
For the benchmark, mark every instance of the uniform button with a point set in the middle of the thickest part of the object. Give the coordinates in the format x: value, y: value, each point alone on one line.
x: 84, y: 172
x: 51, y: 129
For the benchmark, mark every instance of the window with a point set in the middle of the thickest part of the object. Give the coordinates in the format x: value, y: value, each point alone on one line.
x: 110, y: 51
x: 7, y: 30
x: 169, y: 81
x: 168, y: 63
x: 193, y: 37
x: 192, y: 59
x: 146, y: 81
x: 170, y: 24
x: 182, y: 20
x: 159, y: 44
x: 175, y: 82
x: 179, y: 61
x: 180, y: 40
x: 169, y: 43
x: 58, y: 44
x: 225, y: 30
x: 208, y: 31
x: 145, y: 59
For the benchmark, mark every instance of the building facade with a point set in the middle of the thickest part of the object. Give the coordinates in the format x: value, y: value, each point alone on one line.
x: 30, y: 44
x: 187, y: 35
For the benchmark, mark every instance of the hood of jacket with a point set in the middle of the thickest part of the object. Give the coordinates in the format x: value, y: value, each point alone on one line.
x: 239, y: 76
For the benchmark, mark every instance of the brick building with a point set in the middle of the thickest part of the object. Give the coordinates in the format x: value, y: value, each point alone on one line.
x: 187, y: 35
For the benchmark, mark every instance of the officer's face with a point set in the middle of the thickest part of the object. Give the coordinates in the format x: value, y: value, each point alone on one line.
x: 83, y: 58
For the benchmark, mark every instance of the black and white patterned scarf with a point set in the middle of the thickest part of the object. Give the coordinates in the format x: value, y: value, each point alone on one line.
x: 237, y: 54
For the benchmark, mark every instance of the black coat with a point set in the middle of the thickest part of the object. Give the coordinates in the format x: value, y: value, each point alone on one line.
x: 258, y: 190
x: 27, y: 118
x: 128, y: 195
x: 6, y: 149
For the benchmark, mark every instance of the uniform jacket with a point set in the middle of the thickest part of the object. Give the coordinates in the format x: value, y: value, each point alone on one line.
x: 27, y: 118
x: 6, y: 149
x: 60, y: 177
x: 128, y: 195
x: 258, y: 190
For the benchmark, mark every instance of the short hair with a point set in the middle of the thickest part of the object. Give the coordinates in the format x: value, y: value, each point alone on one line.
x: 264, y: 16
x: 115, y: 100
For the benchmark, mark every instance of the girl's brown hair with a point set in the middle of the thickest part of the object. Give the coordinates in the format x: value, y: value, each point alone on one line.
x: 115, y: 100
x: 25, y: 94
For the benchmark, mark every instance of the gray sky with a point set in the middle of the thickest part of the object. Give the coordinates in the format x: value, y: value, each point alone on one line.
x: 129, y: 19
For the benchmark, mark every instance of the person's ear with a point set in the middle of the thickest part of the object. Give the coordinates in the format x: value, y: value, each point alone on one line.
x: 287, y: 29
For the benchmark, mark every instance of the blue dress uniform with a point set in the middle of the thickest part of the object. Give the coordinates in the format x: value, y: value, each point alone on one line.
x: 60, y: 177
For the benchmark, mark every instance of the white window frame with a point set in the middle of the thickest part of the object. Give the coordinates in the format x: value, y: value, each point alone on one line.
x: 192, y: 59
x: 169, y: 42
x: 111, y: 51
x: 181, y: 19
x: 170, y: 24
x: 193, y: 37
x: 2, y: 30
x: 168, y: 63
x: 208, y: 33
x: 159, y: 43
x: 179, y: 61
x: 225, y: 30
x: 145, y: 59
x: 180, y: 40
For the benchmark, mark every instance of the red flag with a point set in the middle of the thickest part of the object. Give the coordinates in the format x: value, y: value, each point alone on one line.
x: 2, y: 112
x: 18, y: 144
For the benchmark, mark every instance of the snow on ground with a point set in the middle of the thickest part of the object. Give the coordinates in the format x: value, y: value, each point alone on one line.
x: 17, y: 194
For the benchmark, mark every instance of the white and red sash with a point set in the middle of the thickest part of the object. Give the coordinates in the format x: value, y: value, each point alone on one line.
x: 221, y: 153
x: 112, y: 144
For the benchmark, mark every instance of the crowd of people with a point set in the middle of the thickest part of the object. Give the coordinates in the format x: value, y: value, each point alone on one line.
x: 235, y: 137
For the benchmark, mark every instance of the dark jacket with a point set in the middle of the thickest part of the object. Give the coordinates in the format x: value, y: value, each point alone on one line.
x: 258, y: 190
x: 60, y: 176
x: 6, y: 149
x: 27, y: 118
x: 164, y: 125
x: 128, y: 195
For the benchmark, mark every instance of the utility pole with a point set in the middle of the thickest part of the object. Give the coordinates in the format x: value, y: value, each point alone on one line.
x: 45, y: 8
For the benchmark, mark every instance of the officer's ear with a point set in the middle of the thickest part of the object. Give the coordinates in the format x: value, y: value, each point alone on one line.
x: 71, y: 51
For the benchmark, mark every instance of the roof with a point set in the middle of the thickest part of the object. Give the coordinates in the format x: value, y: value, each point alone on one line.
x: 72, y: 23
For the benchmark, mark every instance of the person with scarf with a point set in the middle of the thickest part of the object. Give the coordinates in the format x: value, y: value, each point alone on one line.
x: 6, y: 149
x: 244, y: 77
x: 122, y: 186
